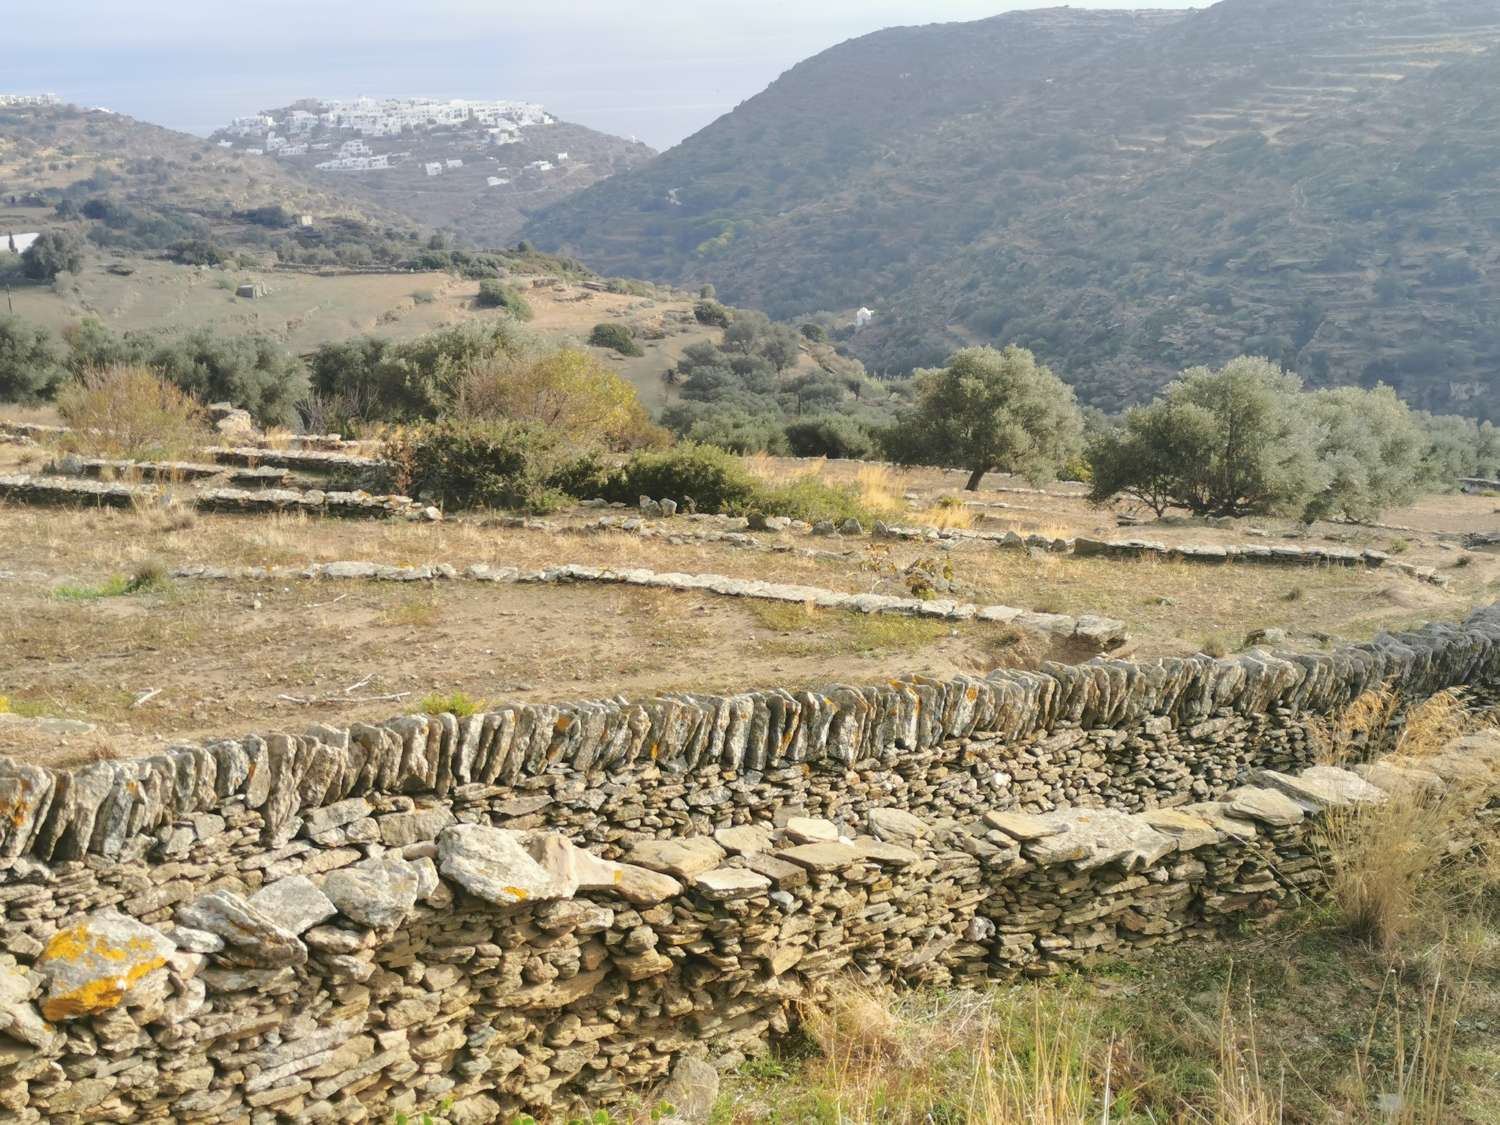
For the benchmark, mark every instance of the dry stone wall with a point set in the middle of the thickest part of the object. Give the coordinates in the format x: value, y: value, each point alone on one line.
x: 548, y: 905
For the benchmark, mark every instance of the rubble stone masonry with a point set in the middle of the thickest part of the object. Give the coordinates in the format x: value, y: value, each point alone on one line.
x: 553, y: 905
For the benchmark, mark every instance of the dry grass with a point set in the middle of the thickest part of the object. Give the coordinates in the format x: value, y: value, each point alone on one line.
x: 130, y: 412
x: 945, y: 514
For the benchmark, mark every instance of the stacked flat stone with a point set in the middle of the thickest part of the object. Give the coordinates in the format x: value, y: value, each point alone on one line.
x: 65, y: 492
x: 389, y: 953
x: 307, y: 460
x: 96, y: 467
x: 343, y: 505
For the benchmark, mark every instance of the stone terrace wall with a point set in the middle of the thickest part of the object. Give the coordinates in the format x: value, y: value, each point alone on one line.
x: 544, y: 904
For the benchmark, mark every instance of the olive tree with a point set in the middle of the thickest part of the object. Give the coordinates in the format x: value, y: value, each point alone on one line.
x: 31, y: 360
x: 1237, y: 441
x: 53, y: 252
x: 1373, y: 448
x: 990, y: 411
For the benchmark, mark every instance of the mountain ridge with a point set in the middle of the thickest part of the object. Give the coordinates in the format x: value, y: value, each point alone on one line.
x: 1126, y: 192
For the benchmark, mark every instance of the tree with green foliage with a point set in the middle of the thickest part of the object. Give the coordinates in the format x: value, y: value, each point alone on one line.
x: 709, y: 311
x: 1241, y: 440
x: 496, y: 294
x: 1153, y: 456
x: 53, y: 252
x: 616, y: 337
x: 1374, y: 450
x: 746, y: 331
x: 31, y: 361
x: 781, y: 346
x: 990, y: 411
x: 829, y: 436
x: 391, y: 381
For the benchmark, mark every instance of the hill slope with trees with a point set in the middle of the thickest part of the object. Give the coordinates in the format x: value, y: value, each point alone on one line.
x: 1125, y: 193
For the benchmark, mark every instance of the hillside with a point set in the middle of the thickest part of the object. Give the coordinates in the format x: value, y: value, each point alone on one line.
x: 473, y: 168
x: 1124, y: 192
x: 132, y: 186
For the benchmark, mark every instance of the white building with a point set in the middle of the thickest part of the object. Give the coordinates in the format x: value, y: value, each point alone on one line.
x: 562, y: 158
x: 497, y: 181
x: 29, y: 99
x: 433, y: 169
x: 12, y: 243
x: 863, y: 318
x: 454, y: 162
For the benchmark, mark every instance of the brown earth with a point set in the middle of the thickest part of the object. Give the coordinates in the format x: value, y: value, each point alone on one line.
x: 227, y: 657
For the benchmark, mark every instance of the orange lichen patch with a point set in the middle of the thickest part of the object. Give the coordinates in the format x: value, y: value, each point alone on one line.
x: 98, y: 995
x: 518, y: 893
x: 94, y: 966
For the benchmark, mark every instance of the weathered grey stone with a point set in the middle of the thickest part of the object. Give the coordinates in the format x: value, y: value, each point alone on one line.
x: 644, y: 887
x: 684, y: 859
x: 378, y: 893
x: 492, y: 864
x: 896, y: 826
x: 691, y: 1092
x: 725, y: 884
x: 252, y: 935
x: 1264, y: 805
x: 295, y: 904
x: 810, y: 830
x: 744, y: 839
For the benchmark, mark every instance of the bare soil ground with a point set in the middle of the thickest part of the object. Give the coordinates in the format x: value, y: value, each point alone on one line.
x: 227, y: 657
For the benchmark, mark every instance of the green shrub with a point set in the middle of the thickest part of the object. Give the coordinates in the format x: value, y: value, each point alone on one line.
x: 714, y: 480
x: 457, y: 704
x: 709, y: 311
x: 833, y: 436
x: 810, y: 499
x: 617, y: 337
x: 476, y: 464
x: 496, y: 294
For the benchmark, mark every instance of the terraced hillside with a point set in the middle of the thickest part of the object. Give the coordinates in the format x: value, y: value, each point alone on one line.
x: 1126, y: 193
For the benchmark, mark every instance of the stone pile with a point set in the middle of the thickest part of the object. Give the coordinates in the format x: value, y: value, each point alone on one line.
x: 385, y: 954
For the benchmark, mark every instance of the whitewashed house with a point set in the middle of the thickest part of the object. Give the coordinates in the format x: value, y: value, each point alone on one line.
x: 14, y: 243
x: 433, y: 169
x: 863, y: 318
x: 454, y: 162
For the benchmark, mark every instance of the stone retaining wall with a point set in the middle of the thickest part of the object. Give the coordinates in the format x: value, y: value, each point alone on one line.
x: 44, y: 491
x: 1264, y: 554
x: 539, y: 904
x: 1093, y: 634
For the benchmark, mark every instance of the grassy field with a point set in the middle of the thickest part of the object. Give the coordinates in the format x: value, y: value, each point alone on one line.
x: 87, y: 638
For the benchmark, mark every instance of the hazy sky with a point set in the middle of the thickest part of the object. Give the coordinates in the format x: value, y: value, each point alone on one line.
x: 657, y: 69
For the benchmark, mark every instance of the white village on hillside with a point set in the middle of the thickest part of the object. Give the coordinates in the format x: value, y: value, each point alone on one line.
x: 311, y: 127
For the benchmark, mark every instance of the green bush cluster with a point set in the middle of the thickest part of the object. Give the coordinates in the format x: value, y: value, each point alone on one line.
x: 617, y: 337
x: 496, y: 294
x: 477, y: 464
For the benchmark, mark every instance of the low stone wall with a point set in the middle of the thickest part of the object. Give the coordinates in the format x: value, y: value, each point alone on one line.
x: 76, y: 492
x: 1262, y: 554
x: 396, y: 955
x: 166, y: 471
x: 1097, y: 634
x: 543, y: 904
x: 305, y: 460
